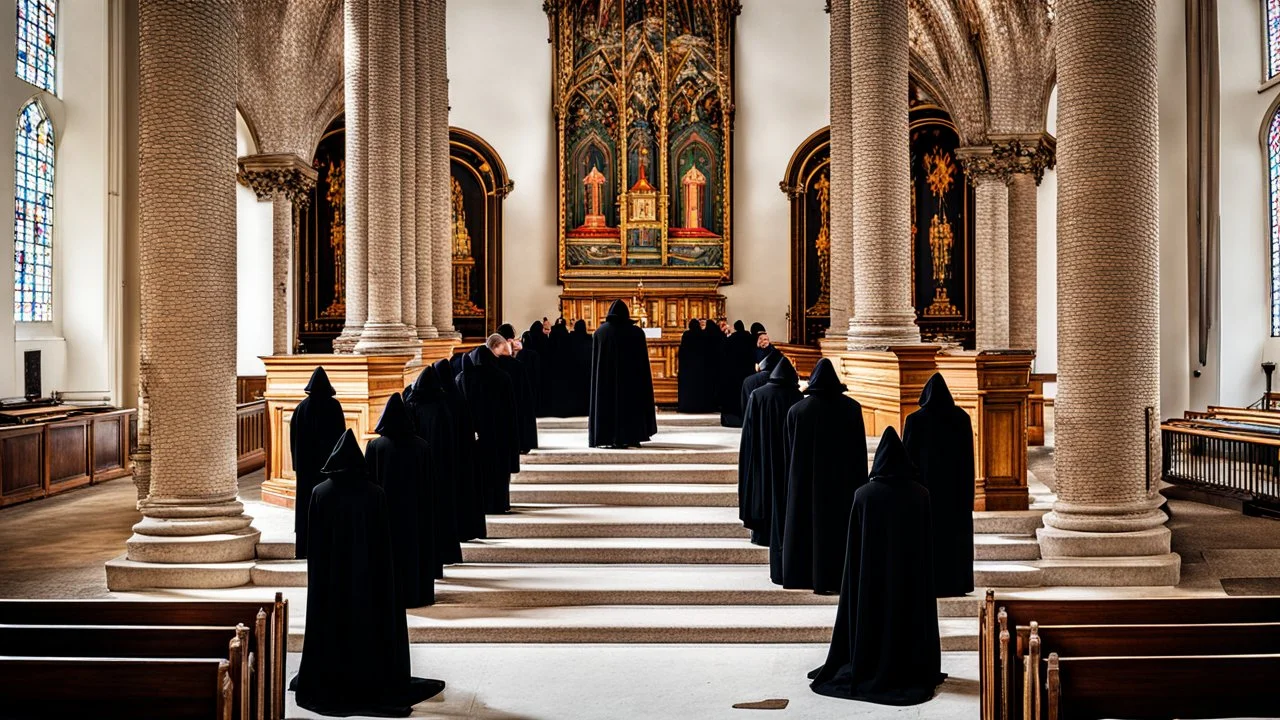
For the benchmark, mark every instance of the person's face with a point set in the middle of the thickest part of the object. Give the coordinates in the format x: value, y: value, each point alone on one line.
x: 503, y: 349
x: 762, y: 340
x: 724, y: 327
x: 546, y: 327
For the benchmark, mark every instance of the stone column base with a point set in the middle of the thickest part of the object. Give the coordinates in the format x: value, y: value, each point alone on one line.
x: 1127, y: 534
x: 388, y: 339
x: 879, y: 332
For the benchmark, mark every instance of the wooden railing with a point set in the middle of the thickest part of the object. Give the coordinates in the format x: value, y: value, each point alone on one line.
x: 1231, y: 458
x: 251, y: 436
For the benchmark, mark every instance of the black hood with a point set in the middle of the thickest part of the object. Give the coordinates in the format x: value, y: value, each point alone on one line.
x: 738, y: 326
x: 770, y: 360
x: 444, y: 369
x: 346, y: 458
x: 618, y: 312
x: 395, y: 420
x: 580, y: 327
x: 694, y: 325
x: 428, y: 384
x: 506, y: 331
x: 481, y: 356
x: 319, y: 385
x: 936, y: 395
x: 536, y: 327
x: 824, y: 379
x: 757, y: 328
x: 784, y: 373
x: 713, y: 329
x: 891, y: 463
x: 559, y: 330
x: 469, y: 360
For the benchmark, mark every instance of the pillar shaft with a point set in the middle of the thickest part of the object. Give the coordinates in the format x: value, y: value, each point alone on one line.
x: 840, y: 255
x: 423, y: 167
x: 880, y: 176
x: 436, y: 69
x: 281, y: 262
x: 409, y: 234
x: 1107, y: 459
x: 355, y: 94
x: 1023, y: 281
x: 991, y: 257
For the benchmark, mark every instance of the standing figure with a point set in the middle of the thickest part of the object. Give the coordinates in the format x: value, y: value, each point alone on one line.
x: 433, y: 422
x: 691, y: 375
x: 469, y: 520
x: 489, y: 395
x: 738, y: 361
x: 762, y: 461
x: 315, y: 429
x: 521, y: 376
x: 622, y: 413
x: 355, y: 656
x: 758, y: 380
x: 580, y: 343
x: 939, y: 440
x: 399, y: 462
x: 828, y: 463
x: 555, y: 365
x: 885, y: 646
x: 537, y: 345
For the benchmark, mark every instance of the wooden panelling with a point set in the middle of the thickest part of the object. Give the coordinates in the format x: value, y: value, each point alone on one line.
x: 21, y: 464
x: 67, y: 453
x: 46, y: 458
x: 110, y: 451
x: 251, y: 436
x: 250, y: 388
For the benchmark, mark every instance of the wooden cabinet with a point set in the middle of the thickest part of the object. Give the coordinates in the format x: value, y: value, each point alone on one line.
x: 45, y: 458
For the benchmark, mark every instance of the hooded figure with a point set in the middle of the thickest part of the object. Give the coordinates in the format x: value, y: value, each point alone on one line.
x: 622, y: 413
x: 522, y: 386
x: 399, y: 462
x: 738, y: 361
x: 827, y: 464
x: 691, y: 376
x: 355, y: 659
x: 556, y: 368
x: 315, y: 429
x: 469, y: 517
x: 433, y: 421
x: 537, y: 344
x: 758, y: 380
x: 490, y: 398
x: 757, y: 329
x: 713, y: 362
x: 579, y: 385
x: 762, y: 460
x: 885, y: 647
x: 939, y: 441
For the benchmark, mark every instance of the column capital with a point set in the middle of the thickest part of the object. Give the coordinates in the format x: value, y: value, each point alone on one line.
x: 791, y: 191
x: 1031, y: 153
x: 984, y: 162
x: 275, y: 174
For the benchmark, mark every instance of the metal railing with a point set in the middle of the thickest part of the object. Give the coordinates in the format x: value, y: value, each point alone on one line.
x: 1218, y: 457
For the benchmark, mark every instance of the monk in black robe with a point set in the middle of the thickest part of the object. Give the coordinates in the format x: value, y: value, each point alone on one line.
x: 355, y: 657
x: 469, y: 520
x: 885, y: 647
x: 622, y: 413
x: 764, y: 346
x: 760, y: 377
x: 828, y: 463
x: 316, y: 426
x: 762, y: 460
x: 713, y: 362
x: 399, y: 462
x: 580, y: 344
x: 939, y: 440
x: 691, y: 375
x: 433, y: 422
x: 556, y: 367
x: 522, y: 386
x: 537, y: 343
x: 490, y: 398
x: 737, y: 363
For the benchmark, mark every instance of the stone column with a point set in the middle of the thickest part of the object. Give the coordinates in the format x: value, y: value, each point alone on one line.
x: 880, y: 176
x: 187, y: 227
x: 1022, y: 261
x: 989, y: 174
x: 1107, y: 462
x: 840, y: 253
x: 423, y: 167
x: 355, y: 94
x: 287, y: 181
x: 409, y: 234
x: 435, y: 67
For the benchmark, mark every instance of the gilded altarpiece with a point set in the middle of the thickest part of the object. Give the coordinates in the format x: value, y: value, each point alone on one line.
x: 320, y: 257
x: 643, y: 94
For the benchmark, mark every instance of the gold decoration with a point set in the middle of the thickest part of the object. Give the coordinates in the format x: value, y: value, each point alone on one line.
x: 336, y: 177
x: 940, y: 172
x: 822, y: 244
x: 464, y: 264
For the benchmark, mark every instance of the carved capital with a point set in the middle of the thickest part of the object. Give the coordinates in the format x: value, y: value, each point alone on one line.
x: 982, y: 162
x: 1027, y: 153
x: 502, y: 191
x: 791, y: 191
x: 279, y: 174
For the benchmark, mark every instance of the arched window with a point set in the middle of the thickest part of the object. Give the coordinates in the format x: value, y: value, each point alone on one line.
x: 1271, y: 29
x: 33, y: 217
x: 37, y: 34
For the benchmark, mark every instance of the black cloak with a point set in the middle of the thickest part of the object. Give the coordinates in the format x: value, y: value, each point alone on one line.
x: 691, y: 375
x: 434, y: 423
x: 355, y: 656
x: 738, y: 361
x: 579, y: 390
x: 939, y: 441
x: 622, y: 412
x: 758, y: 379
x: 315, y: 429
x: 469, y: 521
x: 885, y: 647
x: 555, y: 366
x: 399, y: 462
x: 522, y: 387
x: 827, y: 464
x: 537, y: 343
x: 762, y: 460
x: 761, y: 352
x: 713, y: 362
x: 490, y: 398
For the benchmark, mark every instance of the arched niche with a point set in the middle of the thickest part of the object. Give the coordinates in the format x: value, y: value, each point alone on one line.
x: 479, y: 184
x: 320, y: 251
x: 807, y: 186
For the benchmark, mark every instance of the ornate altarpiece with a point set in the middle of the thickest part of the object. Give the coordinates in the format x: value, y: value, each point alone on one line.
x: 643, y: 95
x: 941, y: 229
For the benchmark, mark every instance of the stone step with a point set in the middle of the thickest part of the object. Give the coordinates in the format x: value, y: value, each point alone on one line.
x: 568, y: 474
x: 648, y: 454
x: 124, y: 574
x: 991, y: 574
x: 1112, y: 571
x: 1005, y: 547
x: 1008, y: 522
x: 666, y: 551
x: 665, y: 420
x: 652, y: 494
x: 615, y: 521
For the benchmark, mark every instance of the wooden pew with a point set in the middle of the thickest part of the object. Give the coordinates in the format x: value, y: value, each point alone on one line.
x: 132, y: 641
x: 268, y: 624
x: 1000, y: 618
x: 115, y: 688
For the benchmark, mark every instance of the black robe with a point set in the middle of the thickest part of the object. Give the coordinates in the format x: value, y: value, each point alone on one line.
x: 490, y: 398
x: 622, y: 412
x: 828, y: 447
x: 535, y: 341
x: 885, y: 647
x: 433, y: 422
x: 469, y: 521
x: 315, y: 429
x: 939, y: 440
x: 713, y: 364
x: 355, y: 657
x: 738, y: 362
x: 579, y: 362
x: 758, y: 379
x: 556, y: 368
x: 762, y: 459
x: 400, y: 463
x: 691, y: 373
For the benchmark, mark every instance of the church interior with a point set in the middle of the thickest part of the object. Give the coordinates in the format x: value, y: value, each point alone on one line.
x: 1056, y: 220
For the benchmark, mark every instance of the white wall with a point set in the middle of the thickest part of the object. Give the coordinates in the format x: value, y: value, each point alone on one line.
x: 1176, y: 341
x: 253, y: 269
x: 1047, y: 257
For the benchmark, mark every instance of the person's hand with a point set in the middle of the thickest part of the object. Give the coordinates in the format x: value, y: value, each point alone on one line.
x: 762, y: 340
x: 516, y: 346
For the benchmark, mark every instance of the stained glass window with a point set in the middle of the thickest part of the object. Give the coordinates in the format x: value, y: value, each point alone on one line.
x: 37, y: 35
x: 1271, y: 26
x: 33, y: 217
x: 1273, y: 193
